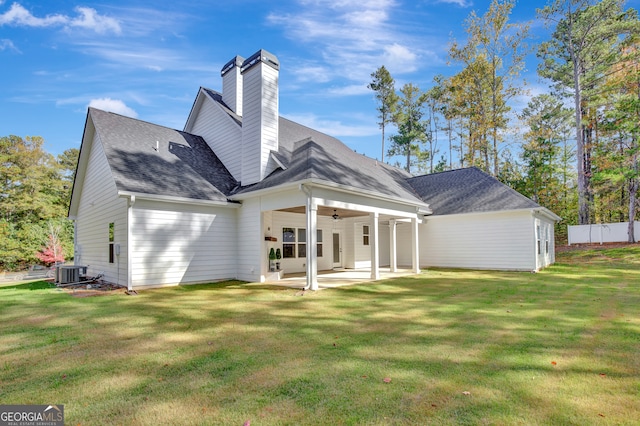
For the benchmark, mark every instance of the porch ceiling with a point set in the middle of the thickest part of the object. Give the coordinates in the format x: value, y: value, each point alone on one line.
x: 327, y: 211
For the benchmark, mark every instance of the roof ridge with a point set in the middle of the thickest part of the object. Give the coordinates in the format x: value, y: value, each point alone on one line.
x: 139, y: 120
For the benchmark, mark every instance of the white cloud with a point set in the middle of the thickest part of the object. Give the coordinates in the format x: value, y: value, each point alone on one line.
x: 6, y: 44
x: 87, y: 18
x: 461, y: 3
x: 352, y: 38
x: 113, y: 105
x: 144, y: 56
x: 90, y: 19
x: 398, y: 56
x: 315, y: 73
x: 350, y: 90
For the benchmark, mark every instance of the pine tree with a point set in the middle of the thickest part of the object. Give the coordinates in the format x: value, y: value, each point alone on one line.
x: 384, y: 86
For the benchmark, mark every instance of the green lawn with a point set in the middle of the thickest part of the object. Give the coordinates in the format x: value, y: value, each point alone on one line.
x: 446, y: 347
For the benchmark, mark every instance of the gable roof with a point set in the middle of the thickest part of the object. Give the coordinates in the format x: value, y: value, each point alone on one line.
x: 150, y: 159
x: 307, y: 154
x: 468, y: 190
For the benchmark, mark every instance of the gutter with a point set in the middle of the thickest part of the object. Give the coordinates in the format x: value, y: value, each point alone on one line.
x: 423, y: 208
x: 182, y: 200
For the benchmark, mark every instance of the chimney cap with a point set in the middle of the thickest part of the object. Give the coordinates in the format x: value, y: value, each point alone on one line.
x: 235, y: 62
x: 261, y: 56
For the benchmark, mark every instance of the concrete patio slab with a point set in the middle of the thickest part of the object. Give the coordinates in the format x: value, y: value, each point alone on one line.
x: 337, y: 278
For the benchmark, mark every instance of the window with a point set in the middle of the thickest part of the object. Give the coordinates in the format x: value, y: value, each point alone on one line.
x: 538, y: 237
x: 288, y: 243
x: 294, y: 242
x: 112, y: 232
x: 365, y: 235
x: 546, y: 239
x: 302, y: 242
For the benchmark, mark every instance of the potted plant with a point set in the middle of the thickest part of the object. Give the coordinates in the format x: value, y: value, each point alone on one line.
x: 278, y: 257
x: 272, y: 258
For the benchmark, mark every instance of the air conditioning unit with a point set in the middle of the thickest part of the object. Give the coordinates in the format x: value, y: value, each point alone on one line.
x: 69, y: 274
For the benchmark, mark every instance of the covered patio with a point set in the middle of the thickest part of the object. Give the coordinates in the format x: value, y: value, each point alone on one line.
x: 339, y: 277
x: 334, y: 237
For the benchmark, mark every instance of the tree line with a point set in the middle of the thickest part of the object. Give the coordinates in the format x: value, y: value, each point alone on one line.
x: 573, y: 150
x: 35, y: 189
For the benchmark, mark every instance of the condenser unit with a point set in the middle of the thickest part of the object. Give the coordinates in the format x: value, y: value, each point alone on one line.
x: 69, y: 274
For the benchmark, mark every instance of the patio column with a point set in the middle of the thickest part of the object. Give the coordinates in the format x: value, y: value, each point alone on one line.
x: 312, y: 248
x: 393, y: 254
x: 415, y: 254
x: 373, y: 242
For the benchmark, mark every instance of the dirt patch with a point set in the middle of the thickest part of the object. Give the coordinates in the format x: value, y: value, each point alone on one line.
x: 101, y: 288
x: 594, y: 246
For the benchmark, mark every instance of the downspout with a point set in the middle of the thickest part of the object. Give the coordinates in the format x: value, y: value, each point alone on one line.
x: 76, y: 252
x: 132, y: 201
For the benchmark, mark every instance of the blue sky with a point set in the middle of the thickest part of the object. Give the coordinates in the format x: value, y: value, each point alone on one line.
x: 147, y: 61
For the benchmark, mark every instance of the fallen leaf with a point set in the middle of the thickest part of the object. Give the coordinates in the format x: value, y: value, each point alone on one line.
x: 553, y: 363
x: 603, y: 375
x: 364, y: 377
x: 466, y: 393
x: 601, y: 415
x: 335, y: 346
x: 509, y: 310
x: 387, y: 380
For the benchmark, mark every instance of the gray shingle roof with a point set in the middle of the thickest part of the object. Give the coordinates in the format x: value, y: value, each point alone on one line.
x: 309, y: 154
x: 467, y: 190
x: 183, y: 166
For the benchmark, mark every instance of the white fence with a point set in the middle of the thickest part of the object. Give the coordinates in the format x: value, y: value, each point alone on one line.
x: 602, y: 233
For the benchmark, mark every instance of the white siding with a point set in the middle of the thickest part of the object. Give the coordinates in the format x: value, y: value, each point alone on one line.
x: 501, y: 240
x: 545, y: 252
x: 259, y: 121
x: 362, y: 253
x: 384, y: 245
x: 250, y: 237
x: 349, y: 243
x: 232, y: 89
x: 99, y: 206
x: 221, y: 133
x: 179, y: 244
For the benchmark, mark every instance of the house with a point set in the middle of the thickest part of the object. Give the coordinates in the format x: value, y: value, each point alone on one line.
x: 156, y: 206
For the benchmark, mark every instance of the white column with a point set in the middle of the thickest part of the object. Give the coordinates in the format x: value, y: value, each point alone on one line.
x: 415, y: 253
x: 373, y: 242
x: 393, y: 253
x: 132, y: 201
x: 312, y: 248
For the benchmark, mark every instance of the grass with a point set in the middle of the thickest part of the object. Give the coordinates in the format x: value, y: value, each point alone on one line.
x: 459, y: 347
